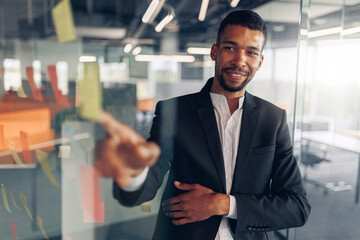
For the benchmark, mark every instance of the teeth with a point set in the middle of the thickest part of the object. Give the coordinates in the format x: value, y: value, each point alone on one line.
x: 237, y: 75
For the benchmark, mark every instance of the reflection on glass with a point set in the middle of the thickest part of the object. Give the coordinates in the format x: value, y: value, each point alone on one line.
x: 12, y: 75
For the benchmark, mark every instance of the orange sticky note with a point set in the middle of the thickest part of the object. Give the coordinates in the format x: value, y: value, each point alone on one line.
x: 5, y: 200
x: 25, y: 146
x: 61, y: 100
x: 2, y: 138
x: 13, y: 229
x: 40, y: 224
x: 42, y: 158
x: 14, y: 154
x: 93, y: 207
x: 35, y: 90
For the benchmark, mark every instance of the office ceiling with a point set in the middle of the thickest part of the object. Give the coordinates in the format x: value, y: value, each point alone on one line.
x: 116, y: 22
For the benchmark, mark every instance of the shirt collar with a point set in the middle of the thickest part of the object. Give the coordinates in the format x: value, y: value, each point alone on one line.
x: 219, y: 100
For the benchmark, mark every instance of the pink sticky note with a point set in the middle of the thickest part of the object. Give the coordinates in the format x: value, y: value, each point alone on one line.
x: 2, y: 138
x: 25, y: 146
x: 93, y: 207
x: 13, y: 229
x: 61, y: 100
x: 36, y: 91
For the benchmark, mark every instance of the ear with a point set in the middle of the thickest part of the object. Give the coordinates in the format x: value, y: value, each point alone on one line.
x: 213, y: 52
x: 261, y: 61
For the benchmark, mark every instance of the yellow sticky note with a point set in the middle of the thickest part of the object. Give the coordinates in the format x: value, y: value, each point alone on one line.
x: 146, y: 207
x: 90, y: 100
x: 42, y: 158
x: 40, y: 224
x: 16, y: 157
x: 20, y: 92
x: 6, y: 203
x: 64, y: 21
x: 23, y: 201
x: 13, y: 200
x: 64, y: 151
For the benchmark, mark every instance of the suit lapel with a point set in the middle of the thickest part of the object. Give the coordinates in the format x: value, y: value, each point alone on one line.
x: 247, y: 133
x: 208, y: 121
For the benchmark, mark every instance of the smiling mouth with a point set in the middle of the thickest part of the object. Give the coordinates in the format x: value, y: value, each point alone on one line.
x: 239, y: 75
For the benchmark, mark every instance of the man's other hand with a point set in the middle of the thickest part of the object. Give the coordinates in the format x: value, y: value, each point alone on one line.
x: 198, y: 204
x: 123, y: 154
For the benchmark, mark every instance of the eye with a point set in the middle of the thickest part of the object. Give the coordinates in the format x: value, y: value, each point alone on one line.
x: 254, y: 54
x: 228, y: 48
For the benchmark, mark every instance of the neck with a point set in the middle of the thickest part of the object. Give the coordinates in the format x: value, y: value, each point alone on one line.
x: 231, y: 97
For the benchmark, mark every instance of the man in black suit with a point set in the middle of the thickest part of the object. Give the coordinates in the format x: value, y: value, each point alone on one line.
x: 232, y: 170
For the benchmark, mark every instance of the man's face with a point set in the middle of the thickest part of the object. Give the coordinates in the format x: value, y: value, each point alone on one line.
x: 237, y: 57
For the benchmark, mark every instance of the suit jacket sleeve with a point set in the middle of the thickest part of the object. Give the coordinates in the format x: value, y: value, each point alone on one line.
x: 162, y: 132
x: 286, y: 205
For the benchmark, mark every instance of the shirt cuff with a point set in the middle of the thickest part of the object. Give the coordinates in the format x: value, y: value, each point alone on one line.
x: 137, y: 182
x: 232, y: 208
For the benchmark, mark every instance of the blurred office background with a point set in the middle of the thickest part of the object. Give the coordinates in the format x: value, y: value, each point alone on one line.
x: 311, y: 69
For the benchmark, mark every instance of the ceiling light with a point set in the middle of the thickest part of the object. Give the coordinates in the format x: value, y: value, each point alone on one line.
x: 87, y: 59
x: 163, y: 58
x: 203, y: 9
x: 234, y: 3
x: 278, y: 28
x: 149, y: 12
x: 136, y: 51
x: 350, y: 31
x: 198, y: 50
x: 128, y: 48
x: 324, y: 32
x: 164, y: 22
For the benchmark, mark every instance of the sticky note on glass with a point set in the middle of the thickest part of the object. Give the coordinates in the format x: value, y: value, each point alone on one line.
x: 13, y: 229
x: 64, y: 151
x: 25, y: 146
x: 2, y: 138
x: 21, y: 93
x: 146, y: 207
x: 93, y: 207
x: 13, y: 200
x: 64, y: 21
x: 15, y: 156
x: 4, y: 196
x: 23, y: 201
x: 61, y: 99
x: 40, y: 224
x: 43, y: 160
x: 35, y: 90
x: 89, y: 99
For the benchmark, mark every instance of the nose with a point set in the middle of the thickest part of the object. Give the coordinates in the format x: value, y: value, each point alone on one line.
x: 239, y: 59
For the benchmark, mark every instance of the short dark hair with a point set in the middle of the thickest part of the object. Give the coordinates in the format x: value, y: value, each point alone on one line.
x: 245, y: 18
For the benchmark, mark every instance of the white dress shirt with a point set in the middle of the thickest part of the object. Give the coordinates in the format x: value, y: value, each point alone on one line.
x: 229, y: 132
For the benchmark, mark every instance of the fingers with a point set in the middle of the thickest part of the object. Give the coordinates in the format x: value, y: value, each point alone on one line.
x: 182, y: 221
x: 186, y: 186
x: 116, y: 129
x: 176, y: 214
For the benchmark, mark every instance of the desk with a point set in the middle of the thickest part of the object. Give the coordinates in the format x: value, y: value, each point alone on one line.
x: 340, y: 141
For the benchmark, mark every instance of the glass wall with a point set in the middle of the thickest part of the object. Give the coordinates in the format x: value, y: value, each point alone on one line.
x: 327, y: 122
x: 49, y: 188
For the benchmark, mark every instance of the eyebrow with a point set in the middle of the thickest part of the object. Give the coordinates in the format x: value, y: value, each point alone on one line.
x: 234, y: 43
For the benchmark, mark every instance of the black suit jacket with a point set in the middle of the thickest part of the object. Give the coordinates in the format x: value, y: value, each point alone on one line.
x: 267, y: 183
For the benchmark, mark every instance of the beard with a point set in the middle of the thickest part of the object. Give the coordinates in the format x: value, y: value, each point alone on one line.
x: 229, y: 88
